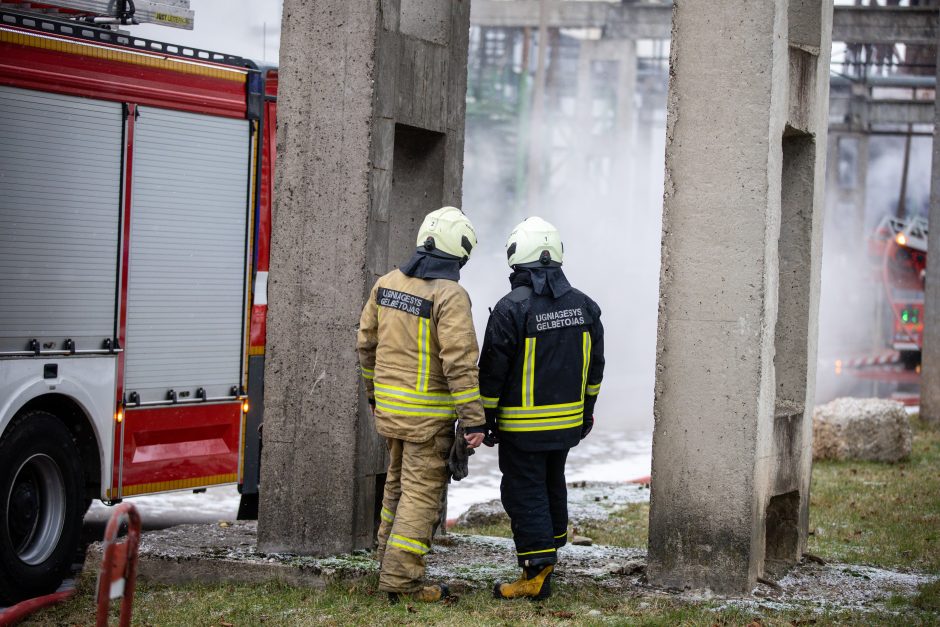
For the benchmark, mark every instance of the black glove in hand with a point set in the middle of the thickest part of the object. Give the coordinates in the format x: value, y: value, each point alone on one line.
x: 458, y: 460
x: 491, y: 438
x: 586, y: 427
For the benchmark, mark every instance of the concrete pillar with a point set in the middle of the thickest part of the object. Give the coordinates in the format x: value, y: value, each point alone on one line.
x: 739, y: 290
x: 370, y: 138
x: 930, y: 371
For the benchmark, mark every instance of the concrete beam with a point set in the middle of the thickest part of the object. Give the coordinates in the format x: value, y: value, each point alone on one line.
x: 860, y: 115
x: 900, y: 112
x: 911, y: 25
x: 630, y: 21
x: 739, y: 291
x: 885, y: 25
x: 370, y: 138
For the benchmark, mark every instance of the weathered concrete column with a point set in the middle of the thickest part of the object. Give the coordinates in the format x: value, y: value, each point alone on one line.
x: 370, y: 138
x: 739, y: 290
x: 930, y: 371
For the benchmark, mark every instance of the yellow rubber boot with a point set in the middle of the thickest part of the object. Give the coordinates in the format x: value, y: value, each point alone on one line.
x: 529, y: 585
x: 427, y: 594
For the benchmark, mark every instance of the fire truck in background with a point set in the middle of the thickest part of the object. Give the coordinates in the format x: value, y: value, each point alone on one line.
x: 135, y: 197
x: 898, y: 250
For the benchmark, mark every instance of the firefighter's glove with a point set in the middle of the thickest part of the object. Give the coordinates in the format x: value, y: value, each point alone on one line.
x: 587, y: 426
x: 457, y: 460
x: 492, y: 431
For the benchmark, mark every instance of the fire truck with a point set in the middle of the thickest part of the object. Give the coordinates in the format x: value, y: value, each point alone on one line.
x: 135, y: 198
x: 898, y: 250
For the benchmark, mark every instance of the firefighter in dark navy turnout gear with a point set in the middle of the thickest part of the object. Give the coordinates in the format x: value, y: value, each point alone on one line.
x: 540, y: 374
x: 418, y: 358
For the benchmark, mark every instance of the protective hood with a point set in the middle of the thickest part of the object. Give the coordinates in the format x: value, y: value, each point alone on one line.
x: 432, y: 265
x: 549, y: 281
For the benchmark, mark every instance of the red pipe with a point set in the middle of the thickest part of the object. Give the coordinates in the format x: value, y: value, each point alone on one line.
x: 20, y: 611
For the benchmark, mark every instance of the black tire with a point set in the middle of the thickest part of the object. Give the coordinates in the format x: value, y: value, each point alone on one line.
x: 41, y: 506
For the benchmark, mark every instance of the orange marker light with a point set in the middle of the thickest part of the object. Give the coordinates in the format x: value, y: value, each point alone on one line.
x: 245, y: 407
x: 901, y: 239
x: 838, y: 366
x: 119, y: 416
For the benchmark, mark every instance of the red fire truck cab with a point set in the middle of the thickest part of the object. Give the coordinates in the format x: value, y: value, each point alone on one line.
x: 135, y: 198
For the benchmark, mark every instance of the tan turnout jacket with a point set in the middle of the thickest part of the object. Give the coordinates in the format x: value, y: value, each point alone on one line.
x: 418, y: 355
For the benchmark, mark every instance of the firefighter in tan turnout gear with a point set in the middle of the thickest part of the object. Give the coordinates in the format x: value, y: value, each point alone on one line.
x: 540, y: 374
x: 418, y: 355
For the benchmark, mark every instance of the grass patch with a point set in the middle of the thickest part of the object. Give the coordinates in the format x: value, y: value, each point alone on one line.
x: 628, y: 527
x: 928, y: 597
x: 359, y: 604
x: 885, y: 515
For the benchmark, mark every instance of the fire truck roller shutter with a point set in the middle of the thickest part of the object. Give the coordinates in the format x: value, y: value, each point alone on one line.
x: 60, y: 171
x: 189, y: 212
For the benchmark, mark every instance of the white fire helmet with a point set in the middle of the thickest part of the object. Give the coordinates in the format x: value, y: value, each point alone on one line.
x: 534, y: 242
x: 448, y: 230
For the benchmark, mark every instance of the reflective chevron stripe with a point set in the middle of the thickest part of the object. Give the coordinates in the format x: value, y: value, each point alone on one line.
x: 387, y: 514
x: 366, y: 373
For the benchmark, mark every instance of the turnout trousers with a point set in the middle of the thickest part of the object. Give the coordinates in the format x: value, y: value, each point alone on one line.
x: 411, y: 507
x: 535, y: 496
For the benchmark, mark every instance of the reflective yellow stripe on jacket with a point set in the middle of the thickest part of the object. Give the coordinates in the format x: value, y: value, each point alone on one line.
x: 528, y: 373
x: 542, y: 424
x: 586, y: 354
x: 398, y: 400
x: 541, y: 417
x: 424, y: 356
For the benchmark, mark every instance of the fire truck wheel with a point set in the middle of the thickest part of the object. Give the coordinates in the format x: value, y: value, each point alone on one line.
x: 42, y: 499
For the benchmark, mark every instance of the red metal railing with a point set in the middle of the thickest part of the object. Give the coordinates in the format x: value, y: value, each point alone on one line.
x: 118, y: 575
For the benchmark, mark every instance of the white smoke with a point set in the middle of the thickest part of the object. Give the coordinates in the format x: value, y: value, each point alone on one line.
x: 611, y: 227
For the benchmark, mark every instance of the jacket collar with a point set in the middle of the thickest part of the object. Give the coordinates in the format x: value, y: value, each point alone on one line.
x: 425, y: 265
x: 549, y: 281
